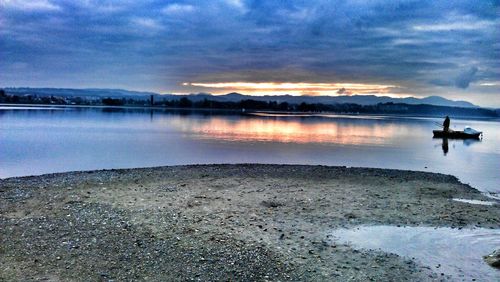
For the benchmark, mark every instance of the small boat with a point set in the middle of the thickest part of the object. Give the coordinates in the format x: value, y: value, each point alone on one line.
x: 467, y: 133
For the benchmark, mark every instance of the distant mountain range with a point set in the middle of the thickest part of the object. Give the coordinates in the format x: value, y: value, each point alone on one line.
x: 236, y: 97
x: 69, y: 92
x: 353, y: 99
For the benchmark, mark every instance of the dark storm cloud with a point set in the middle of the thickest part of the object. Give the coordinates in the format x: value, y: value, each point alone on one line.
x: 464, y: 79
x: 158, y: 45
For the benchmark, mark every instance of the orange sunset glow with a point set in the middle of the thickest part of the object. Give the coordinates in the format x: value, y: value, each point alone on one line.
x: 288, y: 131
x: 296, y: 88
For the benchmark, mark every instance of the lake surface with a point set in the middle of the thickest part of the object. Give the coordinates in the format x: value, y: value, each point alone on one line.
x: 45, y: 140
x: 455, y: 252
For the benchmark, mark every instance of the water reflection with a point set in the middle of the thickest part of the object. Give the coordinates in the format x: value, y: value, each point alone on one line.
x: 35, y: 141
x: 444, y: 146
x: 291, y: 130
x: 465, y: 142
x: 476, y: 202
x: 468, y: 142
x: 454, y: 252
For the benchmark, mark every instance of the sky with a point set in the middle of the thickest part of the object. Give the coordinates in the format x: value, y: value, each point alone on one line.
x: 389, y: 48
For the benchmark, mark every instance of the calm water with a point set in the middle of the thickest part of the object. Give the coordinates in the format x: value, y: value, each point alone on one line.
x: 454, y: 252
x: 40, y: 140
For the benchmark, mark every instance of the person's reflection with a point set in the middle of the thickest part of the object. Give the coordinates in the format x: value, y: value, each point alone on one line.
x: 444, y: 146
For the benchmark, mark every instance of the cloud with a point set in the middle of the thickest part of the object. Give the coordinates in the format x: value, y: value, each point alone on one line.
x: 451, y: 26
x: 495, y: 83
x: 236, y: 3
x: 293, y: 88
x: 462, y: 80
x: 417, y: 45
x: 343, y: 91
x: 147, y: 23
x: 465, y: 78
x: 174, y: 9
x: 441, y: 82
x: 30, y: 5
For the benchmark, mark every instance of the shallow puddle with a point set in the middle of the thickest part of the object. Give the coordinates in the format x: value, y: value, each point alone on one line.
x: 475, y: 202
x: 454, y: 252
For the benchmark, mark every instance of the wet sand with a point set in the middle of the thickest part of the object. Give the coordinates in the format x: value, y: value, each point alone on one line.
x: 222, y: 222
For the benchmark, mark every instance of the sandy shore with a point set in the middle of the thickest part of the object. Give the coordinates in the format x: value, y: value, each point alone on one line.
x: 221, y: 222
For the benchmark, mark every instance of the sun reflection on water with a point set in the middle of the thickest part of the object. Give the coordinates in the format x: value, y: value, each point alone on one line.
x: 289, y: 130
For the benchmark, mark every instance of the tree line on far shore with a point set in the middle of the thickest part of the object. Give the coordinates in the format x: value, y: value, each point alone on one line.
x: 254, y: 105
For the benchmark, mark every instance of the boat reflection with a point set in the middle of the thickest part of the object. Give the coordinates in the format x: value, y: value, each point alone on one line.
x: 466, y: 142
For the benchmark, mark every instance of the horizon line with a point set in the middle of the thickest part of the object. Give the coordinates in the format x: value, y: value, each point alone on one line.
x: 389, y: 95
x: 381, y: 95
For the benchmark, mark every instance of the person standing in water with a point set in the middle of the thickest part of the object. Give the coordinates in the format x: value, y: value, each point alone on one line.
x: 446, y: 124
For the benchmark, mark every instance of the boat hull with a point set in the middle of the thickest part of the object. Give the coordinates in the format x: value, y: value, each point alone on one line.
x: 455, y: 134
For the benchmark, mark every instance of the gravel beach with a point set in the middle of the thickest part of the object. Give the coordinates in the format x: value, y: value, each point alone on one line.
x: 221, y: 222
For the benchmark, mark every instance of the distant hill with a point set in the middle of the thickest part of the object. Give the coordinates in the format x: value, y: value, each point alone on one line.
x: 69, y: 92
x: 328, y: 100
x: 236, y: 97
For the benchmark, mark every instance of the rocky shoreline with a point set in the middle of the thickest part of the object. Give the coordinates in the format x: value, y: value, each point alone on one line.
x: 221, y: 222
